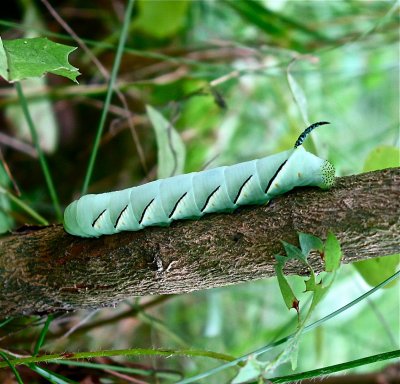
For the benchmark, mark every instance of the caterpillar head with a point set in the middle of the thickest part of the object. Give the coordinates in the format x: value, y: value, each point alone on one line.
x: 328, y: 175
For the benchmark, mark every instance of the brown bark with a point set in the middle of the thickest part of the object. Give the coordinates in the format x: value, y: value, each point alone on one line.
x: 46, y: 270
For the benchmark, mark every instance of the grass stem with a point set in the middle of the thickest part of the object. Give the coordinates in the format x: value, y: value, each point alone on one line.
x: 111, y: 86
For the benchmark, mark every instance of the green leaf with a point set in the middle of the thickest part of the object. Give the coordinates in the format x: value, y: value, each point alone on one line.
x: 332, y: 253
x: 280, y: 29
x: 293, y: 252
x: 294, y: 354
x: 25, y: 58
x: 288, y: 295
x: 299, y: 96
x: 319, y: 292
x: 310, y: 243
x: 42, y: 113
x: 13, y: 369
x: 384, y: 156
x: 42, y: 335
x: 6, y: 221
x: 41, y: 109
x: 310, y: 283
x: 375, y: 270
x: 257, y: 14
x: 3, y: 62
x: 171, y: 149
x: 252, y: 370
x: 53, y: 377
x: 6, y: 321
x: 161, y: 19
x: 317, y: 289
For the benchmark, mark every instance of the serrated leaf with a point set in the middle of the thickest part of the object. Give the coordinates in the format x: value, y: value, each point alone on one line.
x: 41, y: 109
x: 310, y: 243
x: 171, y: 149
x: 26, y: 58
x: 332, y: 253
x: 375, y: 270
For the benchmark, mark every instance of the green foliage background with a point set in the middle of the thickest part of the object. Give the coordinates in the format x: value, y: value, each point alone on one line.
x: 218, y: 70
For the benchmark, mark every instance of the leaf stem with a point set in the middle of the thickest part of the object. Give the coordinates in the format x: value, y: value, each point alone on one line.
x: 42, y: 159
x: 111, y: 86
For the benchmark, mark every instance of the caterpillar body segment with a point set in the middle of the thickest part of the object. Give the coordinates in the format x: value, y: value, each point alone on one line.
x: 301, y: 169
x: 192, y: 195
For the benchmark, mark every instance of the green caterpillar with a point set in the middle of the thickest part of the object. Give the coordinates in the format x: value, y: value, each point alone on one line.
x: 194, y: 194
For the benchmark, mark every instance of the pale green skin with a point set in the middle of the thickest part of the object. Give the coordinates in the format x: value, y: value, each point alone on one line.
x: 96, y: 215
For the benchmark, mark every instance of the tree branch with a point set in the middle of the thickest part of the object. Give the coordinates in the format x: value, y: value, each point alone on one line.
x: 46, y: 270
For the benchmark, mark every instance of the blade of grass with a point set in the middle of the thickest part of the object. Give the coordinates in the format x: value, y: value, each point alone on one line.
x: 298, y: 93
x: 111, y: 87
x: 15, y: 372
x: 6, y: 321
x: 118, y: 352
x: 42, y: 335
x: 337, y: 367
x: 23, y: 206
x: 104, y: 72
x: 143, y: 372
x: 51, y: 376
x: 308, y: 328
x: 271, y: 22
x: 42, y: 159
